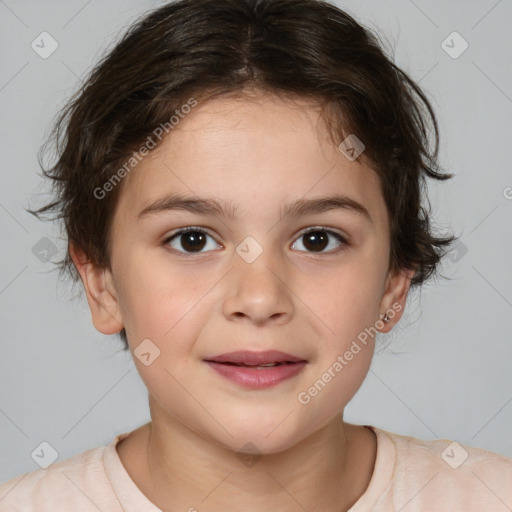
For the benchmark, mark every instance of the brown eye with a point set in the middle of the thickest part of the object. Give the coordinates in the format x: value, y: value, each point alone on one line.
x: 190, y: 240
x: 317, y: 240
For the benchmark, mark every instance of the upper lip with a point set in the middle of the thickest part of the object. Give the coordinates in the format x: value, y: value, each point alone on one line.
x: 255, y: 358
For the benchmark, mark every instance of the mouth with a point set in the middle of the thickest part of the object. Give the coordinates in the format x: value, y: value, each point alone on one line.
x: 265, y: 359
x: 256, y: 370
x: 263, y: 365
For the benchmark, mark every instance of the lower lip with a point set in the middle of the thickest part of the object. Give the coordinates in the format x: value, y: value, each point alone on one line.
x: 257, y: 378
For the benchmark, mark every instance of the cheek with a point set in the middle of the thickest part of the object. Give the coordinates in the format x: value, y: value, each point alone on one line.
x: 347, y: 303
x: 346, y: 300
x: 331, y: 389
x: 156, y: 298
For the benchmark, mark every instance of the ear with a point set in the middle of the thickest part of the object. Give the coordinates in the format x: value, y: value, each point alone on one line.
x: 100, y: 291
x: 394, y: 297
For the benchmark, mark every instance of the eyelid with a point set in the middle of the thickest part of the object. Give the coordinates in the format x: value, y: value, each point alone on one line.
x: 341, y: 237
x: 327, y: 229
x: 188, y: 229
x: 303, y: 231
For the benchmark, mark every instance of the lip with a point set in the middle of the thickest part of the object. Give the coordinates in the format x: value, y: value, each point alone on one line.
x: 253, y: 377
x: 254, y: 358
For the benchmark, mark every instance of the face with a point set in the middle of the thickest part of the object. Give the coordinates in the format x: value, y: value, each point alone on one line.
x: 262, y: 275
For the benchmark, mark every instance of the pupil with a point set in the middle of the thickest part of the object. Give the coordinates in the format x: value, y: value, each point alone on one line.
x: 316, y: 239
x: 193, y: 240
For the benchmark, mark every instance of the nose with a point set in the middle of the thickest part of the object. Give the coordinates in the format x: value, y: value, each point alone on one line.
x: 258, y: 292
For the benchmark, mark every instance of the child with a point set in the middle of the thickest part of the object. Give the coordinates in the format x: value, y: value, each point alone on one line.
x: 240, y: 182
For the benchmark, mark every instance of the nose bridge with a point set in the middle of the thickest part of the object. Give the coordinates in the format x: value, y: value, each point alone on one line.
x: 256, y: 285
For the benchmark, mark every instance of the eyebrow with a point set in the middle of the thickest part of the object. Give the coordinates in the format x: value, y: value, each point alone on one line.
x: 212, y: 207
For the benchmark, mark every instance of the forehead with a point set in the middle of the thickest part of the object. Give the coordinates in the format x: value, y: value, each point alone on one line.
x: 243, y: 149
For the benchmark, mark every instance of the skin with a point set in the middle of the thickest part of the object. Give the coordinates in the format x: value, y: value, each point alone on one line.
x: 257, y: 153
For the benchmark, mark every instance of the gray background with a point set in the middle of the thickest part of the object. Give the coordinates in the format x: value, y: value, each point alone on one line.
x: 446, y: 373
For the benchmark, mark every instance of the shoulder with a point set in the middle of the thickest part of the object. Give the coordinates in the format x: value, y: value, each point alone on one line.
x: 443, y: 472
x: 80, y: 482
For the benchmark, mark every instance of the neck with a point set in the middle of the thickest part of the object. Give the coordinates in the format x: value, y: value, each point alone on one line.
x: 177, y: 469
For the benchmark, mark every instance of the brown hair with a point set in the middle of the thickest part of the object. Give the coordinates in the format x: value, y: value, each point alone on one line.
x: 202, y: 49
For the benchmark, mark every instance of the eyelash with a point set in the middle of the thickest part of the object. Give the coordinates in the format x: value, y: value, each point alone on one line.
x: 337, y: 236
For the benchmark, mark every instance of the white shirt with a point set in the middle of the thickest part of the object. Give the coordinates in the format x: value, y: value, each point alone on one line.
x: 410, y: 475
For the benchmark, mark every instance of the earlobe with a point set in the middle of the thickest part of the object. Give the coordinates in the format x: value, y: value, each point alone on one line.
x: 394, y: 298
x: 100, y: 292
